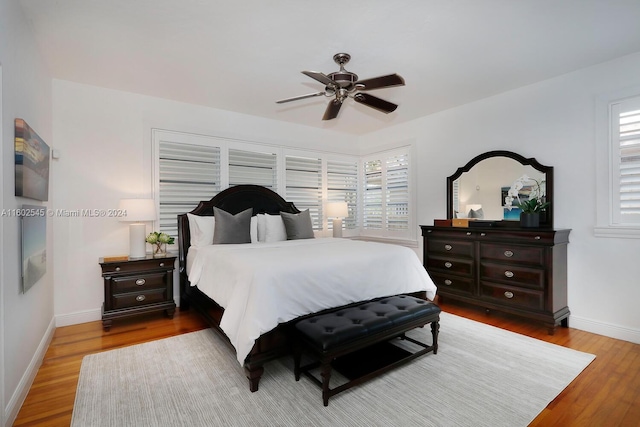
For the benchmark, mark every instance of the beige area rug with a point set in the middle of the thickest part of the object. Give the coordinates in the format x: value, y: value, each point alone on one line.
x: 481, y: 376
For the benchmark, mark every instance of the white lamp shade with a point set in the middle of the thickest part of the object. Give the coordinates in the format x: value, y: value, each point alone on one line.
x: 337, y: 210
x: 137, y: 210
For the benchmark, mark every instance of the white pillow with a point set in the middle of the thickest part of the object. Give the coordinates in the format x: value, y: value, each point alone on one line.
x: 271, y: 228
x: 254, y: 229
x: 201, y: 229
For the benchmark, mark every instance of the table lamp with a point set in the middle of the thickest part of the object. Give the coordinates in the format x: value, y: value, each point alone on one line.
x: 337, y: 211
x: 138, y: 212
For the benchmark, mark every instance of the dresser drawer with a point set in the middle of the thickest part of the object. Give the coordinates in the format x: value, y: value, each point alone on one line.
x: 513, y: 253
x: 453, y: 265
x: 135, y: 299
x: 514, y: 275
x: 451, y: 247
x: 133, y: 266
x: 452, y: 283
x: 514, y: 297
x: 139, y: 283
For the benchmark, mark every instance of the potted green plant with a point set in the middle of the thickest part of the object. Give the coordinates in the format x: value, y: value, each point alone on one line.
x: 530, y: 207
x: 160, y: 240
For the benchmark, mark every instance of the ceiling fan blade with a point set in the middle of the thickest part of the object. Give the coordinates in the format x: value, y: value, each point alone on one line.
x: 375, y: 102
x: 380, y: 82
x: 332, y: 109
x: 322, y: 78
x: 295, y: 98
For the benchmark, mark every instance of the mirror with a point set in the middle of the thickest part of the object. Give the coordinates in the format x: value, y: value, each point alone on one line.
x: 478, y: 189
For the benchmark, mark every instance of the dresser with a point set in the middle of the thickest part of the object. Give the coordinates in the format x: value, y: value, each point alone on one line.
x: 137, y: 286
x: 512, y: 270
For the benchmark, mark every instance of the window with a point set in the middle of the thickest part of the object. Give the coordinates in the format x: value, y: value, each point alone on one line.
x: 625, y: 136
x: 342, y: 186
x: 387, y: 195
x: 618, y: 166
x: 187, y: 174
x: 250, y: 167
x: 304, y: 186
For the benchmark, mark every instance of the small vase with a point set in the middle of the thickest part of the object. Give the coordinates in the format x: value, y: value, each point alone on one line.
x: 529, y: 220
x: 160, y: 250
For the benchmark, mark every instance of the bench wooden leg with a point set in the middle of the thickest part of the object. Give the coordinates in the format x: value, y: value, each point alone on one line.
x: 325, y: 372
x: 435, y: 328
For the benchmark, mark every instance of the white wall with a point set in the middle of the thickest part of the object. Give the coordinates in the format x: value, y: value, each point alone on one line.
x: 553, y: 121
x: 104, y: 140
x: 26, y: 320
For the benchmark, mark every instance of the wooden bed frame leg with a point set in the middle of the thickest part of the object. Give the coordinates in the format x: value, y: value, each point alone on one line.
x: 253, y: 374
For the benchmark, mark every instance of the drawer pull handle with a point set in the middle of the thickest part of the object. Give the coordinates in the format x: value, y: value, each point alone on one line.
x: 162, y: 264
x: 448, y: 282
x: 537, y: 237
x: 429, y: 231
x: 447, y: 247
x: 508, y: 294
x: 508, y: 254
x: 140, y: 298
x: 483, y: 234
x: 448, y: 264
x: 508, y: 273
x: 140, y: 282
x: 117, y: 268
x: 468, y: 233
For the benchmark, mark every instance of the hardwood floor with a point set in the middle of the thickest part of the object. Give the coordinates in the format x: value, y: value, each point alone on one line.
x: 607, y: 393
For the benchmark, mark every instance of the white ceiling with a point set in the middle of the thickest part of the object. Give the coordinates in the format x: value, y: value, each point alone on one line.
x: 242, y: 56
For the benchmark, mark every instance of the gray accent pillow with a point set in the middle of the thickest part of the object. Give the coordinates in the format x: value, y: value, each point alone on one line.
x: 232, y: 228
x: 298, y: 225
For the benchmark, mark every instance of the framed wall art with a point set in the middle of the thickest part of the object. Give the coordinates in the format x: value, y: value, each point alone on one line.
x: 32, y: 163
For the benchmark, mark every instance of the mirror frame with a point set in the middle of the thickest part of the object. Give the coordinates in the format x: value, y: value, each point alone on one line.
x: 546, y: 220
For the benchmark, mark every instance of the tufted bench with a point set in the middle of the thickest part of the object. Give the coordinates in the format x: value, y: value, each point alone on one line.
x: 331, y: 335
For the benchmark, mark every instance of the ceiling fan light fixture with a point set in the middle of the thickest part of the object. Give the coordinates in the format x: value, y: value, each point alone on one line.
x: 343, y: 84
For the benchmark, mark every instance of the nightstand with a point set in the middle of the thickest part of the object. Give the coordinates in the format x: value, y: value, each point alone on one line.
x: 137, y: 286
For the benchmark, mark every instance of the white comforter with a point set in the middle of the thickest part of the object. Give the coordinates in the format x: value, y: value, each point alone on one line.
x: 263, y: 284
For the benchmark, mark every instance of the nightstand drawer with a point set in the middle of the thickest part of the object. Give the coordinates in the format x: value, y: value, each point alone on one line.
x: 138, y: 298
x: 133, y: 266
x: 139, y: 283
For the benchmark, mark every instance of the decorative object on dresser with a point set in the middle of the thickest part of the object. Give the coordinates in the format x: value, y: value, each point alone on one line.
x: 337, y: 211
x: 137, y: 212
x: 496, y: 263
x: 137, y: 286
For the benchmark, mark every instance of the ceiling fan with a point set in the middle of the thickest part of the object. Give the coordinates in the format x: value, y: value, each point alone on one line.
x: 344, y: 84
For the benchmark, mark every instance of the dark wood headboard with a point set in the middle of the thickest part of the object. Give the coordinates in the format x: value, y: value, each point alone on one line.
x: 233, y: 200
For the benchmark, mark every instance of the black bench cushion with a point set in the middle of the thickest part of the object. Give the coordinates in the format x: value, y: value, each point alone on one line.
x: 330, y: 330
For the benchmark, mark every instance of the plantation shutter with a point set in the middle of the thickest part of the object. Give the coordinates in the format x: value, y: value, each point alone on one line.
x: 372, y: 199
x: 626, y: 149
x: 187, y: 174
x: 342, y: 186
x: 304, y: 186
x: 250, y: 167
x: 397, y: 193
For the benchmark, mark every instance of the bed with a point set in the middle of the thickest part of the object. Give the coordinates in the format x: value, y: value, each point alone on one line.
x: 252, y: 293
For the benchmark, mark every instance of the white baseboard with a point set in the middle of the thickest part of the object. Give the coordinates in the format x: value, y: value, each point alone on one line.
x: 16, y: 401
x: 79, y: 317
x: 606, y: 329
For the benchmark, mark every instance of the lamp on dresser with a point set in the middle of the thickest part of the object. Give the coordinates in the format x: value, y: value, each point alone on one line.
x: 337, y: 211
x: 138, y: 211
